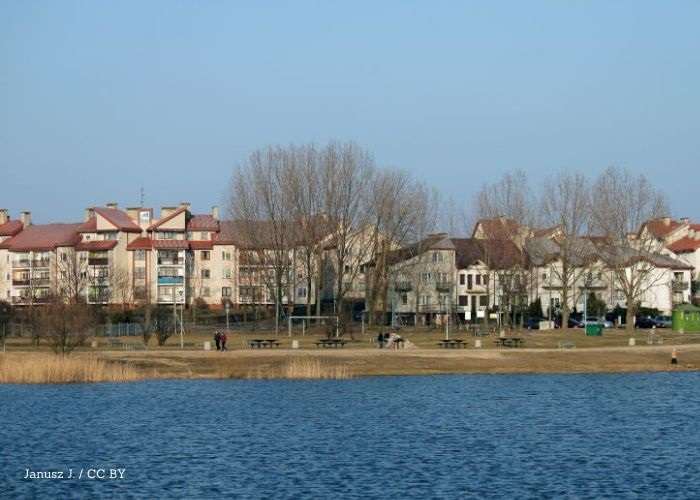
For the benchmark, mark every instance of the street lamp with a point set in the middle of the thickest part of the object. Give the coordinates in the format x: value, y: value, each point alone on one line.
x: 181, y: 293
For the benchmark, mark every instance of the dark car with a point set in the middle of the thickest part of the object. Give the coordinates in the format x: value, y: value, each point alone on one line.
x: 532, y: 323
x: 645, y: 323
x: 663, y: 321
x: 572, y: 323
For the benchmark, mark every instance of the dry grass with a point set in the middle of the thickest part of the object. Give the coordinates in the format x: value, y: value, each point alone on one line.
x: 51, y: 369
x: 302, y: 369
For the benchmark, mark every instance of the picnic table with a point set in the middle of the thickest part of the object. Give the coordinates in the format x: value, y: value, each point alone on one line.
x: 452, y: 344
x: 336, y: 343
x: 509, y: 342
x: 263, y: 343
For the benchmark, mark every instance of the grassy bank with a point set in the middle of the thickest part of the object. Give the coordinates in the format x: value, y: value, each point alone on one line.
x: 41, y: 368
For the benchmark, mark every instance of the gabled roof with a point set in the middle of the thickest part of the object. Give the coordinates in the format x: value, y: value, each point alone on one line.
x: 661, y: 227
x: 177, y: 212
x: 432, y: 242
x: 43, y: 237
x: 11, y: 228
x: 203, y: 222
x: 119, y: 219
x: 498, y: 228
x: 497, y: 254
x: 143, y: 243
x: 684, y: 245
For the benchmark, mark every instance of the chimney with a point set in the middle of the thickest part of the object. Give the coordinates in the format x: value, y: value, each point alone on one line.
x: 186, y: 205
x: 111, y: 205
x: 89, y: 213
x: 133, y: 213
x: 4, y: 216
x: 26, y: 218
x: 215, y: 212
x: 684, y: 220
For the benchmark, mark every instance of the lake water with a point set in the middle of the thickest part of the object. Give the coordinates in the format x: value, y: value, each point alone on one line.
x: 504, y: 436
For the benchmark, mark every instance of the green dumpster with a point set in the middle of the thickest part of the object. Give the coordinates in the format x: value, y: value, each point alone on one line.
x: 594, y: 329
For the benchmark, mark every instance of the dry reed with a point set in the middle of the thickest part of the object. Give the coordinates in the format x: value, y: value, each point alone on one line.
x: 52, y: 369
x: 302, y: 368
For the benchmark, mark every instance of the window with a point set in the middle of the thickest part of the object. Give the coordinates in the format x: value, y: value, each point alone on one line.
x: 483, y: 300
x: 426, y: 277
x: 301, y: 292
x: 425, y: 300
x: 225, y: 255
x: 226, y: 291
x: 140, y: 273
x: 437, y: 257
x: 206, y: 292
x: 140, y: 255
x: 110, y: 236
x: 404, y: 299
x: 544, y: 276
x: 347, y: 268
x: 477, y: 279
x: 486, y: 279
x: 167, y: 235
x: 144, y: 216
x: 464, y: 300
x: 462, y: 278
x: 205, y: 255
x: 206, y: 274
x: 227, y: 274
x: 469, y: 281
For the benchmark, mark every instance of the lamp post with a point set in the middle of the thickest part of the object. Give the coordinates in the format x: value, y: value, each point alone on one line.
x: 227, y: 307
x: 181, y: 293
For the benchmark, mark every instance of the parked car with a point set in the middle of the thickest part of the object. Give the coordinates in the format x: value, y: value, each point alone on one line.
x: 594, y: 320
x: 645, y: 322
x: 663, y: 321
x: 532, y: 323
x: 573, y: 323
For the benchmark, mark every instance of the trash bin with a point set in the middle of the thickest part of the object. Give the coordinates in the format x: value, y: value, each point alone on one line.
x: 594, y: 330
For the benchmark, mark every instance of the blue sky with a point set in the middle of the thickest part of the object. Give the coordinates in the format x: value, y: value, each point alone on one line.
x: 99, y: 99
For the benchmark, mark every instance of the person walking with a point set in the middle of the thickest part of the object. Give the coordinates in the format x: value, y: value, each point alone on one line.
x: 674, y: 356
x: 380, y: 340
x: 223, y: 341
x: 217, y: 340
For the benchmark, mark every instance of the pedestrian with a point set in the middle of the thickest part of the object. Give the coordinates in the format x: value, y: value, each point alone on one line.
x: 674, y: 356
x: 217, y: 340
x: 380, y: 340
x: 223, y: 341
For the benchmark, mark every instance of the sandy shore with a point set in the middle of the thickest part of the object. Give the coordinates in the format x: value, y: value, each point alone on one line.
x: 368, y: 362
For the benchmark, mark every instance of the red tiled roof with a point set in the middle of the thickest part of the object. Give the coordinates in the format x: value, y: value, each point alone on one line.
x: 142, y: 243
x: 201, y: 245
x: 177, y: 212
x: 44, y: 237
x: 97, y: 246
x: 89, y: 226
x: 659, y: 228
x: 119, y: 218
x: 11, y: 228
x: 203, y: 222
x: 684, y: 245
x: 499, y: 228
x: 171, y: 244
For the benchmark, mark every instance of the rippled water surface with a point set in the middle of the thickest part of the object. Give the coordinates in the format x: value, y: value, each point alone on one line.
x: 533, y: 436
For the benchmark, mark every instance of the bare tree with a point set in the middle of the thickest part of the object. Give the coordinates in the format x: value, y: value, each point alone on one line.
x: 65, y: 324
x: 120, y: 285
x: 623, y: 202
x: 511, y: 197
x: 566, y: 203
x: 72, y: 276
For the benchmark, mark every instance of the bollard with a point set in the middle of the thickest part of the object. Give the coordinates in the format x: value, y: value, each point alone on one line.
x: 295, y: 344
x: 632, y: 341
x: 477, y: 344
x: 207, y: 345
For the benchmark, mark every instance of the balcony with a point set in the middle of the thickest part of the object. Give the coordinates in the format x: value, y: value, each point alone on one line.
x: 20, y: 282
x: 98, y: 261
x: 680, y: 286
x: 170, y: 261
x: 403, y: 286
x: 20, y: 263
x: 444, y: 286
x: 171, y: 280
x: 41, y: 263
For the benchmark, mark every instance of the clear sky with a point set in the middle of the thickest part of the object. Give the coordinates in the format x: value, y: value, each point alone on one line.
x: 99, y: 99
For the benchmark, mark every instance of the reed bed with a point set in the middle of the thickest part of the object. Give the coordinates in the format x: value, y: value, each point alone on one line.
x: 302, y: 369
x: 52, y: 369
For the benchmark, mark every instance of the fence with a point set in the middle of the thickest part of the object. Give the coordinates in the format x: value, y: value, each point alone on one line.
x: 118, y: 330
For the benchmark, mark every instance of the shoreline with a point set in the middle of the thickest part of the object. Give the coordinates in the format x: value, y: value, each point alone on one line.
x: 360, y: 363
